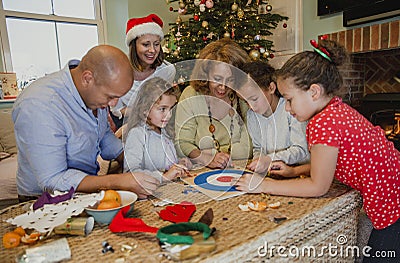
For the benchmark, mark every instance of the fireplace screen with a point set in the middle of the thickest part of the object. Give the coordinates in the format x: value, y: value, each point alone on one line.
x: 389, y: 120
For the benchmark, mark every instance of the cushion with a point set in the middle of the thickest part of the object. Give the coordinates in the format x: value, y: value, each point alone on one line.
x: 7, y: 137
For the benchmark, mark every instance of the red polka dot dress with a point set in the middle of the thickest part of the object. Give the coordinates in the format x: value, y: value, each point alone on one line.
x: 367, y: 161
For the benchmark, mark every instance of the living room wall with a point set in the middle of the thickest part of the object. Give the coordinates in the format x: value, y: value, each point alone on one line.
x: 118, y: 13
x: 313, y: 25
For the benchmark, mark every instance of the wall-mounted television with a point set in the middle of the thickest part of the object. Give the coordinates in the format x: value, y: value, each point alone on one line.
x: 357, y: 12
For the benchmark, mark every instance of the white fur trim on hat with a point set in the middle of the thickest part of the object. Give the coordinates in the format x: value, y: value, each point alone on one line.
x: 143, y: 29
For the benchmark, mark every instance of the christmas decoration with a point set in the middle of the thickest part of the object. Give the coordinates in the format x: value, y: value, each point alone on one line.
x: 248, y: 22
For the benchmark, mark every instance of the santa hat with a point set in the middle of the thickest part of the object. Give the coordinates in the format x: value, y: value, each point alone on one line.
x: 137, y: 27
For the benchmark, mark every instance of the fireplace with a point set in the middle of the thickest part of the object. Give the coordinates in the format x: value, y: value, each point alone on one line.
x: 383, y: 109
x: 371, y: 82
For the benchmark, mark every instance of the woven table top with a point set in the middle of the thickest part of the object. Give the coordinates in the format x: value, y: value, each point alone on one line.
x: 238, y: 234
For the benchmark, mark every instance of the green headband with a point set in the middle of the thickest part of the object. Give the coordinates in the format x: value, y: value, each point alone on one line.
x: 164, y: 234
x: 322, y: 54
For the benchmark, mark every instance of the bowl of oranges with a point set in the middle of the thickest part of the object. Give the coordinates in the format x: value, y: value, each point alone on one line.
x: 113, y: 200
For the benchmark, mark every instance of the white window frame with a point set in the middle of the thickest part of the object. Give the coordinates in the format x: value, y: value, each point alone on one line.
x: 99, y: 21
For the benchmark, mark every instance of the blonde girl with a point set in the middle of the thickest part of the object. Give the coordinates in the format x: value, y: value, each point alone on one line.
x: 148, y: 144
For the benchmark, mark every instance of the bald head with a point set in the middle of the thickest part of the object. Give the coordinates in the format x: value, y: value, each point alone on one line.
x: 107, y: 63
x: 103, y: 75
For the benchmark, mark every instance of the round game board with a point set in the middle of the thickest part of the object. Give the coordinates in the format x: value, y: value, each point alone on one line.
x: 218, y: 180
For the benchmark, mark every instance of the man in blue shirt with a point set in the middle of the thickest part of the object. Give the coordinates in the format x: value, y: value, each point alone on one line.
x: 61, y: 127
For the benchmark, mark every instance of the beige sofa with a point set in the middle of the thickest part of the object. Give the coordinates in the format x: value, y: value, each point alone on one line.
x: 8, y: 157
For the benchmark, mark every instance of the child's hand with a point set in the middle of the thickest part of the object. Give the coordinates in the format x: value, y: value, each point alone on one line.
x: 174, y: 171
x: 251, y: 183
x: 260, y: 164
x: 186, y: 162
x: 282, y: 169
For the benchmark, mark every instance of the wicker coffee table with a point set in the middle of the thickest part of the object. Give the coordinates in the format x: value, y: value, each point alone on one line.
x: 312, y: 223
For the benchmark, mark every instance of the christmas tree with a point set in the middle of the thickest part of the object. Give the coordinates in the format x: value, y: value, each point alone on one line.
x: 199, y: 22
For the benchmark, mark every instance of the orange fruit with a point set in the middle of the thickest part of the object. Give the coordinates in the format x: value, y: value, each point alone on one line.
x: 11, y: 239
x: 20, y: 231
x: 108, y: 204
x: 30, y: 239
x: 112, y: 195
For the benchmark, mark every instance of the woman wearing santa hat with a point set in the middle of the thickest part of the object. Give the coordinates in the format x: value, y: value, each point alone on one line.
x: 143, y: 37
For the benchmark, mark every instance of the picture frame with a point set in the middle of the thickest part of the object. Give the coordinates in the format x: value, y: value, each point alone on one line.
x: 8, y: 83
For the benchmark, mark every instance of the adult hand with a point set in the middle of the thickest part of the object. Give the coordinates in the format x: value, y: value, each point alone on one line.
x: 260, y: 164
x: 142, y: 184
x: 251, y: 183
x: 220, y: 160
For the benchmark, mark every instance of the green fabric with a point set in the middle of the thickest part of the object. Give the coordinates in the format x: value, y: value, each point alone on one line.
x: 165, y: 234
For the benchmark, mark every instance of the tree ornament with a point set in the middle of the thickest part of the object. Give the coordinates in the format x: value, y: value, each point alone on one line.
x: 181, y: 80
x: 204, y: 24
x: 235, y: 7
x: 257, y: 37
x: 197, y: 2
x: 240, y: 13
x: 171, y: 8
x: 227, y: 35
x: 196, y: 17
x: 284, y: 25
x: 202, y: 7
x: 211, y: 35
x: 254, y: 54
x: 271, y: 55
x: 262, y: 50
x: 181, y: 4
x: 204, y: 38
x: 178, y: 20
x: 165, y: 49
x: 182, y: 11
x: 269, y: 8
x: 209, y: 4
x: 324, y: 37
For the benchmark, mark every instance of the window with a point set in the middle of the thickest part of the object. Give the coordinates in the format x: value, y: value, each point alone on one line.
x: 39, y: 37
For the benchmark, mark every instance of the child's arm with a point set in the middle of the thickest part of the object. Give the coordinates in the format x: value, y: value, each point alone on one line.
x: 323, y: 165
x: 282, y: 169
x: 134, y: 148
x: 297, y: 152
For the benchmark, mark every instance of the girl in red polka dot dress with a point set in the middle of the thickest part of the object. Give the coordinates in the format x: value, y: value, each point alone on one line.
x: 343, y: 144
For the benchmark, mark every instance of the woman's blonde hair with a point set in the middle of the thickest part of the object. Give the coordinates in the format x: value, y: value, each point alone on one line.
x: 223, y: 50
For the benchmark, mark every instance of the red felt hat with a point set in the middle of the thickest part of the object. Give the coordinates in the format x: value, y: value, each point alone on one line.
x: 136, y: 27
